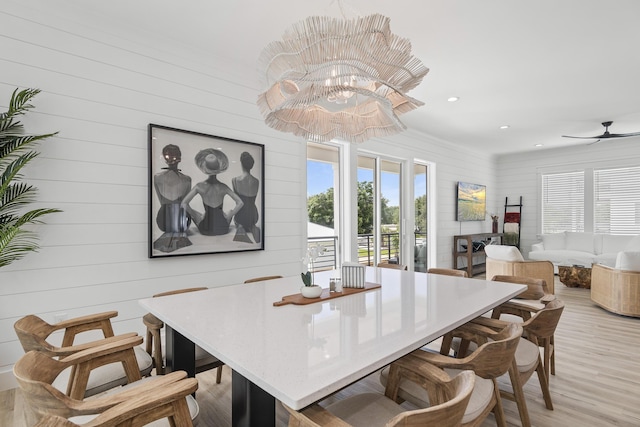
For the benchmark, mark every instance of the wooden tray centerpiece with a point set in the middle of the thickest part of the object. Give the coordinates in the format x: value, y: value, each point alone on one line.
x: 298, y: 299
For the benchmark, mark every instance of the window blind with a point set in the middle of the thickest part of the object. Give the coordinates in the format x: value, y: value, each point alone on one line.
x: 617, y: 200
x: 563, y: 202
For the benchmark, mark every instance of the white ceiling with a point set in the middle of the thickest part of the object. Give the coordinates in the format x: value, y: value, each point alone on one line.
x: 546, y: 68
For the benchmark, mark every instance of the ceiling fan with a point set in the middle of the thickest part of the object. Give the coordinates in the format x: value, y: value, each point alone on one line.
x: 605, y: 135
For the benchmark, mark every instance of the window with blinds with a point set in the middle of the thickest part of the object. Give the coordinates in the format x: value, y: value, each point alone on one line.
x: 563, y: 202
x: 617, y: 200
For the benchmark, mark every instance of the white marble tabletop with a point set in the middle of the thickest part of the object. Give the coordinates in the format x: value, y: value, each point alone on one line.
x: 302, y: 353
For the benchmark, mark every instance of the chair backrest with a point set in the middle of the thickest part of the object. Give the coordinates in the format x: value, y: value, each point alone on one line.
x: 543, y: 324
x: 394, y: 266
x: 36, y: 371
x: 536, y: 288
x: 262, y: 279
x: 448, y: 272
x: 494, y: 357
x: 180, y: 291
x: 449, y: 411
x: 32, y: 332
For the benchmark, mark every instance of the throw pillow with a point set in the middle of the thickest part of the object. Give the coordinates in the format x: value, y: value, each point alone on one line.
x: 629, y: 261
x: 615, y: 242
x: 582, y: 242
x: 554, y: 241
x: 633, y: 245
x: 503, y: 253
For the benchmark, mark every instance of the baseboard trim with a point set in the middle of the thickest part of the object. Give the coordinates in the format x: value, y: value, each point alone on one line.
x: 7, y: 380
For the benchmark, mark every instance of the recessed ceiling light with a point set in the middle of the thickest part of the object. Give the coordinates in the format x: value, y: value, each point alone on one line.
x: 505, y: 127
x: 453, y: 99
x: 538, y: 145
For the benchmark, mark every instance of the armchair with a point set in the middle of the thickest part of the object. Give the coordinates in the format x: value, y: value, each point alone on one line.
x: 616, y: 289
x: 140, y: 402
x: 508, y: 261
x: 33, y: 333
x: 449, y: 397
x: 538, y: 332
x: 492, y: 359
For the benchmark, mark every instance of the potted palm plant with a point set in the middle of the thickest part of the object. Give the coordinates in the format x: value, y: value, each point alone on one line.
x: 16, y: 238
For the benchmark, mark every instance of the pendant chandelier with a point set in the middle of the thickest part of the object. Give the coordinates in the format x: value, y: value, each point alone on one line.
x: 342, y: 79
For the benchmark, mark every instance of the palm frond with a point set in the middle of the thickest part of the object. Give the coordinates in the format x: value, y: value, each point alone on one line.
x: 15, y: 153
x: 12, y: 169
x: 15, y: 197
x: 15, y: 243
x: 14, y: 144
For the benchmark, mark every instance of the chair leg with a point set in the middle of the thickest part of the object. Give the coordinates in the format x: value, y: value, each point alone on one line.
x: 148, y: 343
x: 157, y: 350
x: 518, y: 393
x: 547, y: 358
x: 219, y: 375
x: 498, y: 410
x: 544, y: 385
x: 552, y: 344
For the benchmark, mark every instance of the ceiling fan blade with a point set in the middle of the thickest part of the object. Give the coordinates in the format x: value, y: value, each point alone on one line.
x: 582, y: 137
x: 622, y: 135
x: 594, y: 142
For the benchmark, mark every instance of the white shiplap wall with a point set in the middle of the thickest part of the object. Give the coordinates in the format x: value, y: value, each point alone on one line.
x: 101, y: 86
x: 518, y: 174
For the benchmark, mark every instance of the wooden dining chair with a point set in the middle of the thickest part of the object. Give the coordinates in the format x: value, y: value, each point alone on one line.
x: 393, y: 266
x: 448, y: 272
x: 34, y: 334
x: 537, y: 332
x: 155, y: 340
x: 525, y: 305
x: 449, y: 397
x: 492, y: 359
x: 141, y: 402
x: 532, y: 300
x: 262, y: 279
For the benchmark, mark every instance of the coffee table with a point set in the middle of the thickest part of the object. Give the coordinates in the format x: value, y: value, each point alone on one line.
x: 575, y: 276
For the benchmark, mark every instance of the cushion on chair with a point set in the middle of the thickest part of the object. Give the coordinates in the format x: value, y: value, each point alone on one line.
x: 412, y: 392
x: 108, y: 376
x: 554, y: 241
x: 526, y: 352
x: 526, y: 355
x: 194, y: 409
x: 366, y: 410
x: 628, y: 261
x: 503, y: 253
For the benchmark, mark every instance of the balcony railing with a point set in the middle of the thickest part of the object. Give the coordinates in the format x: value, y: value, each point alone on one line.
x: 389, y: 250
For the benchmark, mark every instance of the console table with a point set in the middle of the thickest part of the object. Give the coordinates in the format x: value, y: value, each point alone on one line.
x: 469, y: 253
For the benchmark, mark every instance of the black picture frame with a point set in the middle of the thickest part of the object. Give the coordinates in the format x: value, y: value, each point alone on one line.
x: 196, y: 166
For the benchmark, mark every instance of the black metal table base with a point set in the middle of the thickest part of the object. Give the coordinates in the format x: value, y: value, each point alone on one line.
x: 250, y: 405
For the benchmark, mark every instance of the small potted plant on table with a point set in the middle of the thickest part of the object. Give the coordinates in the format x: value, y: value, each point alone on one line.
x: 310, y: 289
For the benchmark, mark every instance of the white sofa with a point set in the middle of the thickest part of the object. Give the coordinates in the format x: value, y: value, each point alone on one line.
x: 583, y: 248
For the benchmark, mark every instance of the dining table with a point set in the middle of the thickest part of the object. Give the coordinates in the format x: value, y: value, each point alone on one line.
x: 301, y: 353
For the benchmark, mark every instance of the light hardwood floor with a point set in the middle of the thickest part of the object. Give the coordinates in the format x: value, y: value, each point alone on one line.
x: 597, y: 381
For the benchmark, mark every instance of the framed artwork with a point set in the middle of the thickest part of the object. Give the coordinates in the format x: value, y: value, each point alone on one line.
x: 206, y: 193
x: 472, y: 202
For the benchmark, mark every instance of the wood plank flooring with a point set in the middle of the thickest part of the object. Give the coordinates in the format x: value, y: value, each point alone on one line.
x: 597, y: 381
